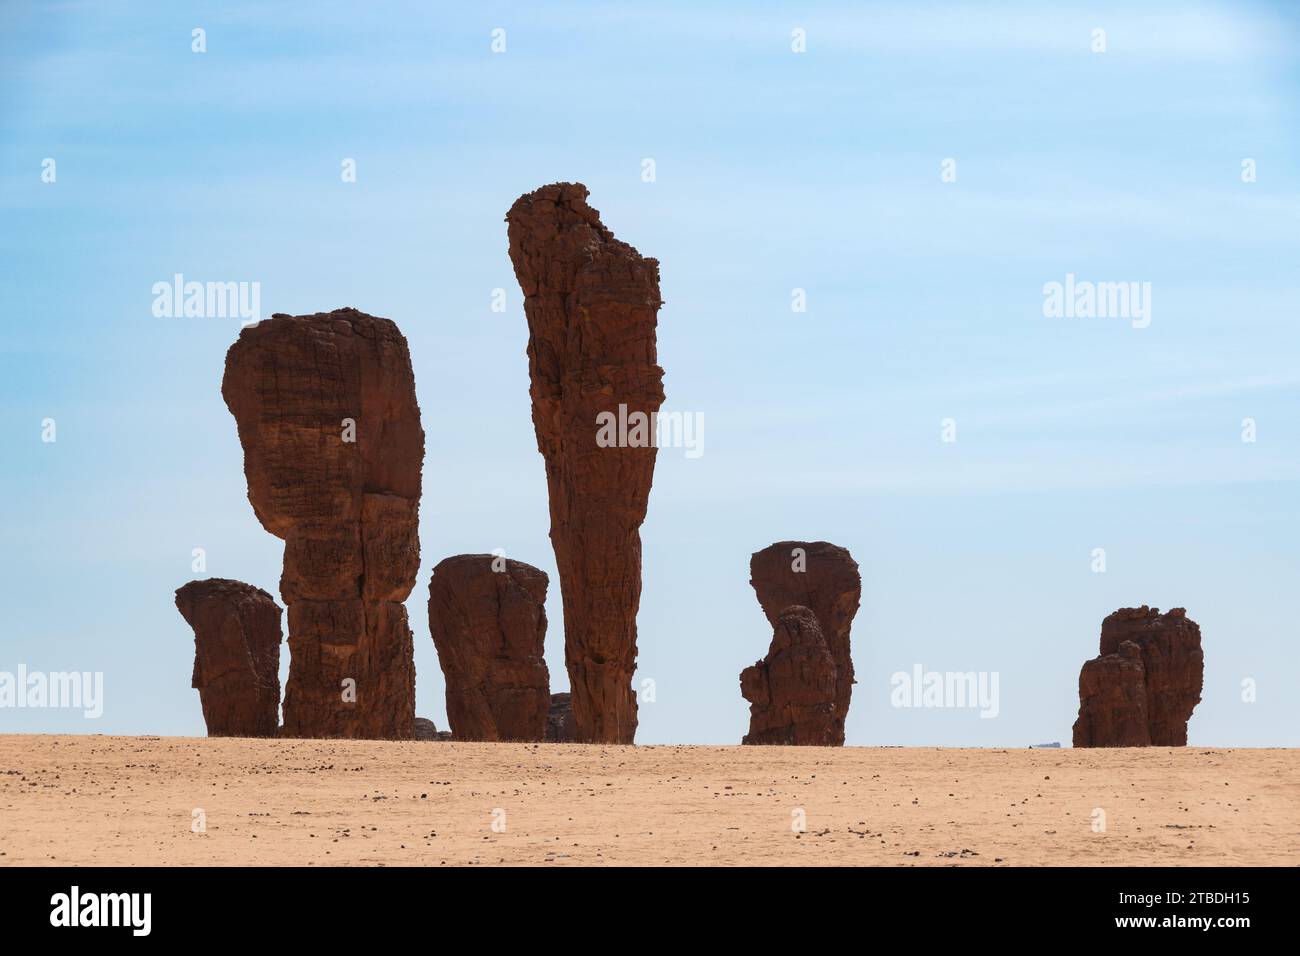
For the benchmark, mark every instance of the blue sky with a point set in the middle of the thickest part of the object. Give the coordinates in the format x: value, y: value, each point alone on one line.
x: 775, y: 170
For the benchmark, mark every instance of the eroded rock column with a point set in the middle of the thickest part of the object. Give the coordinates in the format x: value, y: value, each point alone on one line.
x: 824, y: 578
x: 236, y: 655
x: 333, y: 448
x: 791, y: 692
x: 591, y: 302
x: 487, y: 615
x: 1149, y: 657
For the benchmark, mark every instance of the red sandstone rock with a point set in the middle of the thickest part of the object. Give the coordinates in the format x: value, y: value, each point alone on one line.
x: 1168, y: 647
x: 791, y: 692
x: 1113, y: 701
x: 487, y: 616
x: 823, y: 578
x: 591, y: 303
x: 236, y: 655
x: 299, y: 388
x: 560, y: 726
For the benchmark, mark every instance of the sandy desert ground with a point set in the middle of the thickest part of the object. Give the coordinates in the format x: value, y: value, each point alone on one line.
x: 137, y: 800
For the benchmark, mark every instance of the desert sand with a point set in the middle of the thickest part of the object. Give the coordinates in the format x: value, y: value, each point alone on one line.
x: 68, y: 800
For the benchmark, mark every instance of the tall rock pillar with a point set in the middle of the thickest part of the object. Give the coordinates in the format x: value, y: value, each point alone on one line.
x: 333, y: 448
x: 591, y: 302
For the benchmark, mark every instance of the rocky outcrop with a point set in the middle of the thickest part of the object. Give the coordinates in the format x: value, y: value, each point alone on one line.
x: 425, y: 729
x: 591, y: 303
x: 333, y: 447
x: 823, y: 578
x: 1113, y: 701
x: 1146, y: 683
x: 236, y: 655
x: 487, y: 615
x: 791, y: 692
x: 560, y: 726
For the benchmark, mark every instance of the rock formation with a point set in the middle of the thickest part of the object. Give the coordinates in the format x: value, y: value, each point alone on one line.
x: 488, y: 619
x: 333, y: 448
x: 791, y: 692
x: 823, y: 578
x: 560, y: 726
x: 591, y: 303
x: 425, y: 729
x: 236, y: 655
x: 1113, y: 701
x: 1146, y: 683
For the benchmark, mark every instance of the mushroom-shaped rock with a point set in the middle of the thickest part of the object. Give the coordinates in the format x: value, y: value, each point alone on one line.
x: 333, y: 447
x: 824, y: 578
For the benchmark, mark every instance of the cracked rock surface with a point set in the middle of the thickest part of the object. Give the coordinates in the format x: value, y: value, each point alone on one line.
x: 824, y: 578
x: 236, y: 655
x: 487, y: 615
x: 333, y: 447
x: 1143, y: 687
x: 591, y: 302
x: 791, y: 691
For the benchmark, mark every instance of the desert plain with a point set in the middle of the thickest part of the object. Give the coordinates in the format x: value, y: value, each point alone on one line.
x: 182, y: 801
